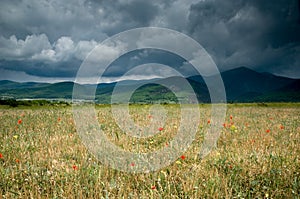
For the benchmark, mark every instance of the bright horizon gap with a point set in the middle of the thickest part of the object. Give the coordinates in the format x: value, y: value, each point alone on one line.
x: 15, y: 77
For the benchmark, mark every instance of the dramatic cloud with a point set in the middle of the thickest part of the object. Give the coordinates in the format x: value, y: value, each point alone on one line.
x: 50, y: 39
x: 262, y: 35
x: 14, y: 49
x: 38, y: 47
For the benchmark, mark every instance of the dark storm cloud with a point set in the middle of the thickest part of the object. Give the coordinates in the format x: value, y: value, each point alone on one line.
x: 54, y: 18
x: 51, y: 38
x: 140, y: 57
x: 80, y: 19
x: 263, y: 35
x: 142, y: 12
x: 43, y: 69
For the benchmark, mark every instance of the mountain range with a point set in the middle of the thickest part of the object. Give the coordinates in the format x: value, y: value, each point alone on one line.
x: 241, y: 85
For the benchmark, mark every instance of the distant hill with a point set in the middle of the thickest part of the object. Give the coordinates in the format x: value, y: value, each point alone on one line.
x: 36, y: 90
x: 241, y: 84
x: 6, y: 84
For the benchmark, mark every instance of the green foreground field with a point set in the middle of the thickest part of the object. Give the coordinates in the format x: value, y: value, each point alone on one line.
x: 257, y: 155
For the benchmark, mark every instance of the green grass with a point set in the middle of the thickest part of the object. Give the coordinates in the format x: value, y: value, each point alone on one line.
x: 257, y: 156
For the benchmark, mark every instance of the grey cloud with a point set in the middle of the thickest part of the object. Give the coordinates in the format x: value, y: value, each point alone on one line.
x: 14, y: 48
x: 143, y: 12
x: 139, y: 57
x: 43, y: 69
x: 38, y: 47
x: 257, y: 34
x: 55, y: 18
x: 51, y: 38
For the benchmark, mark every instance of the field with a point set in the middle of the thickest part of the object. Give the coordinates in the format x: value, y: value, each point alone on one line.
x: 257, y: 155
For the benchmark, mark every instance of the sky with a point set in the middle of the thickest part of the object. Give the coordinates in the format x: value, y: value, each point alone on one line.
x: 47, y: 40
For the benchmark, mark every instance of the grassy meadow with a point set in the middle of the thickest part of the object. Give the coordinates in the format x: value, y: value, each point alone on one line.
x: 257, y: 155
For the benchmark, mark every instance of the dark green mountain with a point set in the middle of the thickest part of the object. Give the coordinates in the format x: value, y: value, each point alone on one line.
x: 241, y: 84
x: 6, y: 84
x: 36, y: 90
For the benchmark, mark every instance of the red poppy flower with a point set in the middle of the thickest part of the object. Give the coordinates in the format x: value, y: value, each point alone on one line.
x: 17, y: 160
x: 19, y: 121
x: 208, y: 121
x: 231, y: 117
x: 75, y: 167
x: 224, y: 125
x: 268, y: 131
x: 182, y: 157
x: 58, y: 119
x: 132, y: 164
x: 160, y: 128
x: 167, y: 144
x: 1, y: 156
x: 281, y: 127
x: 153, y: 187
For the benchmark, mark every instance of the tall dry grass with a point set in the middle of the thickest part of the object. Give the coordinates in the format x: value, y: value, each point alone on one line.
x: 258, y: 156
